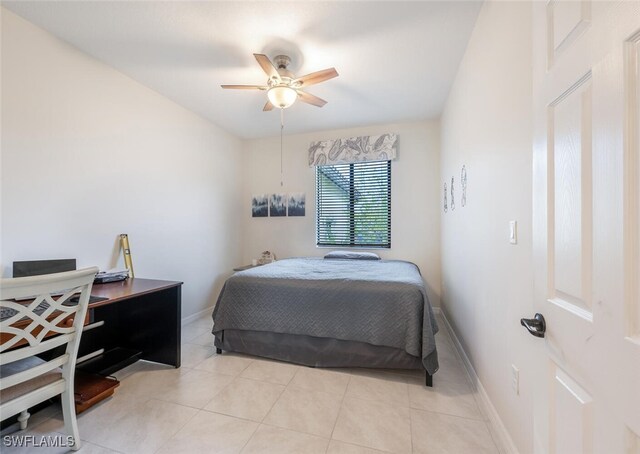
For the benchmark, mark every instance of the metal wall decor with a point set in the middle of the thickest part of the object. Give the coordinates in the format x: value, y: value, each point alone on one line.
x: 446, y: 207
x: 463, y: 182
x: 453, y: 201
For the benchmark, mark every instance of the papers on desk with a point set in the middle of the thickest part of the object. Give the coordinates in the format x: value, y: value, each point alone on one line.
x: 112, y: 275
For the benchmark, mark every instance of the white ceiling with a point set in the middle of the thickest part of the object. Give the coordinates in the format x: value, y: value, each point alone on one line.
x: 396, y: 60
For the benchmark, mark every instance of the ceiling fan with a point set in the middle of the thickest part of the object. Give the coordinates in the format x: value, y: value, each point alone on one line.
x: 282, y: 87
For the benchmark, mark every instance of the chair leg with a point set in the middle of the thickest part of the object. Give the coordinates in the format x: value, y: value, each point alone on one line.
x: 23, y: 419
x: 70, y: 421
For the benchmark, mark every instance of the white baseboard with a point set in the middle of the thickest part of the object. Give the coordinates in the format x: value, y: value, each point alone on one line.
x: 197, y: 315
x: 499, y: 431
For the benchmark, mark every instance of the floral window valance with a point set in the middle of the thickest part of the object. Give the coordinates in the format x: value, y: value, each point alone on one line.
x: 353, y: 149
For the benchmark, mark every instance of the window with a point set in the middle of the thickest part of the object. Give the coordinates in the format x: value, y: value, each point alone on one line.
x: 354, y: 204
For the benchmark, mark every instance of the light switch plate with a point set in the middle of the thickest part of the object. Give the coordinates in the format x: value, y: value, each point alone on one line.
x: 513, y: 232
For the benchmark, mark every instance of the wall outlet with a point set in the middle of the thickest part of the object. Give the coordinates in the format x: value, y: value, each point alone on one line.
x: 515, y: 379
x: 513, y: 232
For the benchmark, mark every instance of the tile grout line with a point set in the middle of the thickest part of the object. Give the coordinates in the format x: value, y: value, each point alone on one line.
x: 410, y: 418
x: 270, y: 408
x: 250, y: 437
x: 289, y: 385
x: 216, y: 355
x: 232, y: 416
x: 344, y: 395
x: 296, y: 431
x: 411, y: 429
x: 447, y: 414
x: 179, y: 428
x: 195, y: 366
x: 212, y: 397
x: 357, y: 444
x: 274, y: 403
x: 385, y: 402
x: 267, y: 381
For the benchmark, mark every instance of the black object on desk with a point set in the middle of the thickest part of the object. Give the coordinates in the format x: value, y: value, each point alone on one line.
x: 27, y: 268
x: 92, y: 299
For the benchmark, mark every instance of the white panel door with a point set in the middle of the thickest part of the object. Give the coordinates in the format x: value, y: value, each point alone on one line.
x: 586, y: 216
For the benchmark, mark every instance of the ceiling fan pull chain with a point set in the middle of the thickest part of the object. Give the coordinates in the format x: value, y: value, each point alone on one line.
x: 281, y: 130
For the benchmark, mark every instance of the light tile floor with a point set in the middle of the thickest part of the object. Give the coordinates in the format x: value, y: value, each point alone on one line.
x: 234, y: 403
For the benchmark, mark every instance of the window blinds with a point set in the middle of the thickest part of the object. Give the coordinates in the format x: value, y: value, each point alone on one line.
x: 354, y: 204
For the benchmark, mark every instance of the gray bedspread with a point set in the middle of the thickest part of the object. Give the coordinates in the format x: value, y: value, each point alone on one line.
x: 379, y: 302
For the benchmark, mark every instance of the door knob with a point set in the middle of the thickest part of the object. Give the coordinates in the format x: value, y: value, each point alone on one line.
x: 536, y: 326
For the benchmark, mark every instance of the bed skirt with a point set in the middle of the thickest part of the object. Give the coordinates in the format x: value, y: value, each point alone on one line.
x: 315, y: 351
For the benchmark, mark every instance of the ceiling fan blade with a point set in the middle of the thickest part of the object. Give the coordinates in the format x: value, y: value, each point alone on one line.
x: 267, y: 66
x: 245, y: 87
x: 316, y: 77
x: 311, y: 99
x: 268, y: 106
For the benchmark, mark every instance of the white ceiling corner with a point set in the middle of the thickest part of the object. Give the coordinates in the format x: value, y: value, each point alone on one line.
x: 397, y: 60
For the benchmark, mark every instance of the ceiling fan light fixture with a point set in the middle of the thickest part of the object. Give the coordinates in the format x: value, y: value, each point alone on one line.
x: 283, y: 88
x: 282, y: 96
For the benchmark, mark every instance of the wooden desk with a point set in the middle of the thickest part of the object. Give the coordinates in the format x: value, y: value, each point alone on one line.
x: 140, y: 319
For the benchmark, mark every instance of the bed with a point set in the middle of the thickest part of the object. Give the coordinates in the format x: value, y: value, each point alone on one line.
x: 330, y: 313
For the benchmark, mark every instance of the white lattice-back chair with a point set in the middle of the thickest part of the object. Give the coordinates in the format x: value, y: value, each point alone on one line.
x: 44, y: 324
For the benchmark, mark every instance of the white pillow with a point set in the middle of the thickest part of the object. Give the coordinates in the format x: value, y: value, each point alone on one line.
x: 352, y: 255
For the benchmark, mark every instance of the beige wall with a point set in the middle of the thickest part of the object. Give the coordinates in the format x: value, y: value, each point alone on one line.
x: 487, y: 282
x: 415, y: 201
x: 88, y: 153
